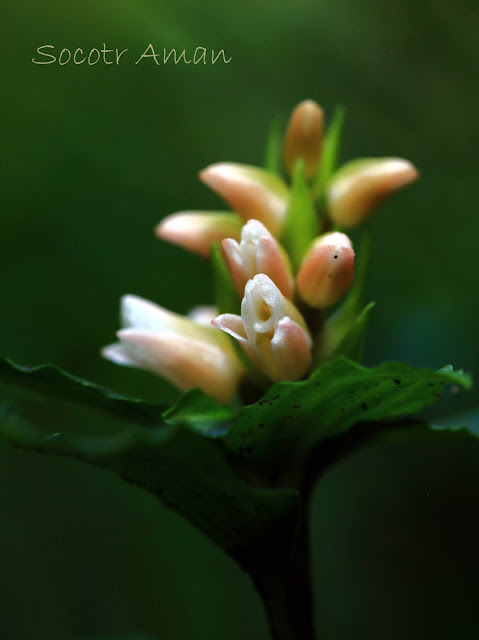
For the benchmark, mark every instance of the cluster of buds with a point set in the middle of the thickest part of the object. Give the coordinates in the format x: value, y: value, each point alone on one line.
x: 269, y: 339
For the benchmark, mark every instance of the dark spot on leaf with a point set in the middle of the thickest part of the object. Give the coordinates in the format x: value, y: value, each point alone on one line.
x: 352, y: 391
x: 260, y: 424
x: 275, y: 398
x: 397, y: 381
x: 296, y: 406
x: 364, y: 406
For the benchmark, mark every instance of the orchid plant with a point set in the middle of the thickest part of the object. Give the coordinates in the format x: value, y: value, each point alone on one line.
x: 274, y: 390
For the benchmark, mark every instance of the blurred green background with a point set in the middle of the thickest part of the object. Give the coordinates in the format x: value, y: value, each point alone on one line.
x: 92, y: 158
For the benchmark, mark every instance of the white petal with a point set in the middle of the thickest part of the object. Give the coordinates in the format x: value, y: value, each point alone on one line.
x: 138, y: 313
x: 231, y: 324
x: 184, y: 361
x: 203, y: 314
x: 119, y: 354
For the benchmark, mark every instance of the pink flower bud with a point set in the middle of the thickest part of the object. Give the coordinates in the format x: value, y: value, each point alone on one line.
x: 198, y: 230
x: 271, y: 331
x: 184, y: 352
x: 304, y: 138
x: 327, y: 271
x: 360, y: 186
x: 258, y: 252
x: 250, y: 191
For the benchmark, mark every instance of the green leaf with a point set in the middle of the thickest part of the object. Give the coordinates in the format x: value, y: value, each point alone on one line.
x: 272, y: 161
x: 174, y: 455
x: 200, y: 413
x: 51, y: 380
x: 294, y: 417
x: 330, y: 154
x: 458, y: 420
x: 301, y: 224
x: 226, y: 296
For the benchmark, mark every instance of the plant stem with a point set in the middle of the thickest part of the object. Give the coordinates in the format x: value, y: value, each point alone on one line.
x: 286, y: 586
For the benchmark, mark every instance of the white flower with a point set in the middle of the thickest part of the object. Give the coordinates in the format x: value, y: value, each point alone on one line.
x: 271, y: 331
x: 175, y: 347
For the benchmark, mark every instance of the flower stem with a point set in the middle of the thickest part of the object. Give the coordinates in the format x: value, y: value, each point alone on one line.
x: 286, y: 587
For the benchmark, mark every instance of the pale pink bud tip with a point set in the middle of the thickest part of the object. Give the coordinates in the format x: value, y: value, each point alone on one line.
x: 360, y: 186
x: 258, y: 252
x: 327, y: 271
x: 271, y: 331
x: 304, y: 138
x: 198, y: 230
x: 250, y: 191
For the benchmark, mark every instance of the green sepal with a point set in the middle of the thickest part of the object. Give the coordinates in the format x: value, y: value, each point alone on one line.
x: 330, y: 153
x: 301, y: 224
x: 227, y: 299
x: 352, y: 344
x: 274, y: 145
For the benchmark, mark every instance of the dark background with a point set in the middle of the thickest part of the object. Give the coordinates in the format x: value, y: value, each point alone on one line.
x: 92, y: 158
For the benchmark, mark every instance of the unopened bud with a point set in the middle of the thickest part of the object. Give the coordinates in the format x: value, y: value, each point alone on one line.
x: 198, y: 230
x: 252, y: 192
x: 327, y: 271
x: 360, y: 186
x: 304, y: 138
x: 258, y: 252
x: 271, y: 331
